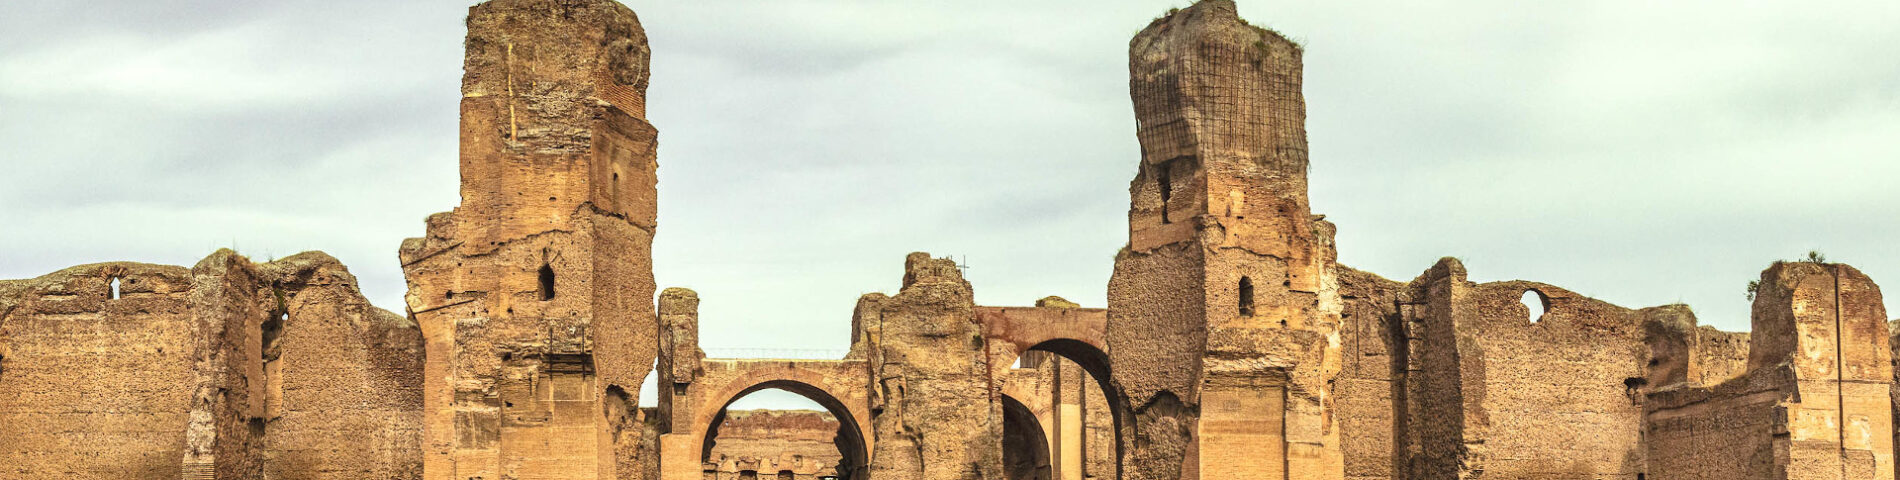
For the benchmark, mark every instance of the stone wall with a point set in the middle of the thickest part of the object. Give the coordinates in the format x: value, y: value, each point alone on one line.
x: 1815, y: 400
x: 1370, y: 385
x: 930, y: 402
x: 1487, y: 388
x: 93, y: 386
x: 343, y: 387
x: 769, y: 442
x: 1557, y: 395
x: 227, y: 370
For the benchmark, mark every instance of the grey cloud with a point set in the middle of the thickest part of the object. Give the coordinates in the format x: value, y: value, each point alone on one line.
x: 1640, y: 153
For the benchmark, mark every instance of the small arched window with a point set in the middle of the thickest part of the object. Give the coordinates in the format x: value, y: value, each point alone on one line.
x: 114, y: 293
x: 547, y: 282
x: 1536, y: 303
x: 1246, y: 297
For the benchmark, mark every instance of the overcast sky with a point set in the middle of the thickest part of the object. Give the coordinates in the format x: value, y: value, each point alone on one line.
x: 1643, y: 154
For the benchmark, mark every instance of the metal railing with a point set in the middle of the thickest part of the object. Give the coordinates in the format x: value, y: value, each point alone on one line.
x: 777, y: 353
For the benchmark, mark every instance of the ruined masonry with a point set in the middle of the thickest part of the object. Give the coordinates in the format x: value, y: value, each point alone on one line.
x: 1233, y: 344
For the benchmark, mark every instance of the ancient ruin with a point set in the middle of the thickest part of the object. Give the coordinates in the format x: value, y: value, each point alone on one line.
x: 1233, y: 344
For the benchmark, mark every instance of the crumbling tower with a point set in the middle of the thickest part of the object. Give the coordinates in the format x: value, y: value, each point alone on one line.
x: 1222, y: 309
x: 535, y: 295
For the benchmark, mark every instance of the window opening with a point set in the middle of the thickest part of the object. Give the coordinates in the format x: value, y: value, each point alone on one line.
x: 547, y: 282
x: 1246, y: 297
x: 1535, y: 302
x: 114, y: 295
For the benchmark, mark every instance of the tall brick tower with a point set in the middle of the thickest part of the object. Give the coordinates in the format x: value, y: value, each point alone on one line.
x: 535, y: 295
x: 1222, y: 309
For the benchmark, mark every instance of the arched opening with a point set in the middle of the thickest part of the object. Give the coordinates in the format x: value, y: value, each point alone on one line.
x: 547, y: 282
x: 1025, y: 446
x: 1246, y: 297
x: 1083, y: 437
x: 1536, y: 303
x: 113, y: 293
x: 784, y: 426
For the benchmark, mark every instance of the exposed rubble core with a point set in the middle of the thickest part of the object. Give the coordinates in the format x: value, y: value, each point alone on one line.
x: 773, y: 443
x: 931, y: 379
x: 535, y: 293
x: 227, y: 370
x: 1233, y: 344
x: 1223, y: 309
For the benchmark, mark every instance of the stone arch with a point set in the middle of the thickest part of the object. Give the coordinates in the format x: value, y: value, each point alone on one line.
x: 1094, y: 361
x: 825, y: 382
x: 1026, y: 449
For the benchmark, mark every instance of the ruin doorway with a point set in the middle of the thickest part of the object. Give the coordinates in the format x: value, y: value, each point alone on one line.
x: 791, y: 408
x: 1077, y: 419
x: 1025, y: 444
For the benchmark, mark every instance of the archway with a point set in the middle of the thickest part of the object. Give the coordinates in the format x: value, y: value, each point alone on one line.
x: 1082, y: 420
x: 853, y: 450
x: 1025, y: 445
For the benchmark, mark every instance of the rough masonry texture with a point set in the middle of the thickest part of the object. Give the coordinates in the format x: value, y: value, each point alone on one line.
x: 1233, y: 344
x: 775, y: 444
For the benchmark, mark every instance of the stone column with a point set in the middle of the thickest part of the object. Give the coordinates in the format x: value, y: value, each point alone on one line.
x: 679, y: 366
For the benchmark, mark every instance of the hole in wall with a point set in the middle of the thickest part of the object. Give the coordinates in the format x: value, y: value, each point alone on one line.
x: 1164, y: 181
x: 114, y: 293
x: 272, y: 330
x: 1633, y: 388
x: 547, y: 282
x: 1535, y: 302
x: 1246, y: 297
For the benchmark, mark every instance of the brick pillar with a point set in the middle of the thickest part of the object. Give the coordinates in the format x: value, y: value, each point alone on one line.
x: 1223, y: 302
x: 535, y: 294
